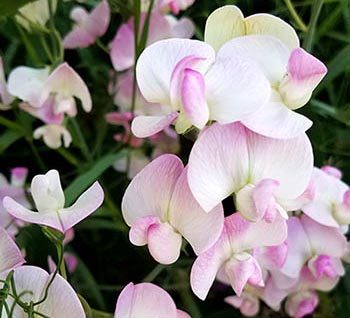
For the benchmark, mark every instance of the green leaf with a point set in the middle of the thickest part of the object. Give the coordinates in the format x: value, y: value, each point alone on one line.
x: 338, y: 65
x: 86, y: 179
x: 8, y: 7
x: 8, y: 138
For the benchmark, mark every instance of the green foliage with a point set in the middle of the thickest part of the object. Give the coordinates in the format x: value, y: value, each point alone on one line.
x: 8, y: 7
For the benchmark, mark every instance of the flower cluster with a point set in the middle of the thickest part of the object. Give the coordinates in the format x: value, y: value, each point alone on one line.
x: 249, y: 206
x: 240, y: 89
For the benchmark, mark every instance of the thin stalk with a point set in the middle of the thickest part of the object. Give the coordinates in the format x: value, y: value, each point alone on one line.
x: 298, y: 20
x: 310, y: 35
x: 154, y: 273
x: 69, y: 157
x: 82, y: 142
x: 37, y: 156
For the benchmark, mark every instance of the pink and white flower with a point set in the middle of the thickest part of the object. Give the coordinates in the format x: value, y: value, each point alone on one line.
x: 232, y: 255
x: 31, y: 282
x: 292, y: 74
x: 160, y: 209
x: 316, y: 246
x: 173, y: 6
x: 146, y: 300
x: 331, y: 203
x: 16, y: 189
x: 247, y: 303
x: 88, y: 26
x: 49, y: 200
x: 268, y: 176
x: 196, y: 85
x: 50, y: 95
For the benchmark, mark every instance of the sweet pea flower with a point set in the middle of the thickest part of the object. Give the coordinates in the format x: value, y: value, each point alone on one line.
x: 293, y: 75
x: 36, y: 13
x: 122, y: 92
x: 14, y: 188
x: 228, y: 22
x: 146, y: 300
x: 49, y: 200
x: 316, y: 246
x: 196, y: 85
x: 232, y: 254
x: 10, y: 255
x: 173, y: 6
x: 301, y: 304
x: 268, y: 176
x: 160, y: 27
x: 331, y: 204
x: 88, y: 26
x: 31, y: 282
x: 248, y: 304
x: 5, y: 97
x: 160, y: 209
x: 53, y: 135
x: 50, y: 95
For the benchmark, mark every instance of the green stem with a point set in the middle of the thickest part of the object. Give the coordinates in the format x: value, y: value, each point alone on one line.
x: 300, y: 23
x: 37, y: 156
x: 154, y: 273
x: 310, y: 35
x: 186, y: 295
x: 29, y: 47
x: 10, y: 124
x: 68, y: 156
x: 82, y: 142
x: 102, y: 46
x: 60, y: 251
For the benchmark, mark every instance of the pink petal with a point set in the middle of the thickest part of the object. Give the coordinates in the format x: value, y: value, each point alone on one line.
x: 244, y: 235
x: 272, y: 257
x: 304, y: 73
x: 263, y: 198
x: 10, y: 255
x: 332, y: 171
x: 98, y: 20
x: 145, y: 300
x: 65, y: 81
x: 248, y: 304
x: 149, y: 193
x: 215, y: 172
x: 275, y: 120
x: 86, y: 204
x: 193, y: 98
x: 293, y: 163
x: 78, y: 38
x: 138, y: 234
x: 187, y: 217
x: 299, y: 249
x: 181, y: 28
x: 323, y: 239
x: 154, y: 78
x: 164, y: 243
x: 19, y: 176
x: 20, y: 212
x: 240, y: 272
x: 302, y: 304
x: 122, y: 48
x: 207, y: 265
x: 46, y: 112
x: 146, y: 126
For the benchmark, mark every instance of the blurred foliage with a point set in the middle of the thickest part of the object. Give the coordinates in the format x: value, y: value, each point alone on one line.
x: 107, y: 260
